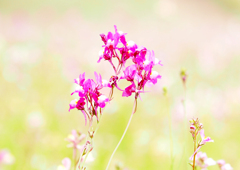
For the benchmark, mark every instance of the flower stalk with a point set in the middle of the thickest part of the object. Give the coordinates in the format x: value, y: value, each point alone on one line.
x: 129, y: 121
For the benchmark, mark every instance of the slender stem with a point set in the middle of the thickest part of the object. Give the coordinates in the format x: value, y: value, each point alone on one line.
x: 194, y: 157
x: 133, y: 111
x: 85, y: 158
x: 74, y: 157
x: 185, y: 122
x: 170, y: 132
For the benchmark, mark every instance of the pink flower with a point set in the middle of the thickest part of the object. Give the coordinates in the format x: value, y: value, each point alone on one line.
x: 75, y: 138
x: 102, y: 101
x: 204, y: 139
x: 140, y: 73
x: 129, y: 90
x: 6, y: 157
x: 129, y: 73
x: 154, y: 76
x: 66, y: 164
x: 223, y: 166
x: 203, y: 161
x: 89, y: 96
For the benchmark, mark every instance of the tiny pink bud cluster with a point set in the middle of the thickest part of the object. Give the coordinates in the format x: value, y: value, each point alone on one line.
x: 197, y: 128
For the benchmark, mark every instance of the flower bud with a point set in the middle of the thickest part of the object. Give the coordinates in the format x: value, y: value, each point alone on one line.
x: 183, y: 75
x: 192, y: 129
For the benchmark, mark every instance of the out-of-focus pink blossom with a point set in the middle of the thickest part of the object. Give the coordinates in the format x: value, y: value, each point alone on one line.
x: 223, y: 166
x: 75, y: 138
x: 203, y: 161
x: 6, y: 157
x: 66, y: 164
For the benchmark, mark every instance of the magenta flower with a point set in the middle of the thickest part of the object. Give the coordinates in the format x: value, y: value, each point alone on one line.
x: 139, y: 73
x: 129, y: 73
x: 102, y: 101
x: 89, y: 96
x: 154, y: 76
x: 129, y: 90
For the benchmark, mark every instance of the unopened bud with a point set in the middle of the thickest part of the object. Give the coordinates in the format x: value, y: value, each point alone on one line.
x: 165, y: 91
x: 91, y: 134
x: 183, y: 75
x: 192, y: 129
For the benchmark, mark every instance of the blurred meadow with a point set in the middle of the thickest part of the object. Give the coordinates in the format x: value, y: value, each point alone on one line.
x: 44, y: 45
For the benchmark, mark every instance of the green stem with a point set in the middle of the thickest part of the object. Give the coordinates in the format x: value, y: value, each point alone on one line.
x: 170, y: 133
x: 133, y: 111
x: 195, y: 147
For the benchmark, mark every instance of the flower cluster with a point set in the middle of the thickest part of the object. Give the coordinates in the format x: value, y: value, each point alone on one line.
x: 90, y: 99
x: 203, y: 162
x: 139, y: 73
x: 197, y: 128
x: 199, y: 159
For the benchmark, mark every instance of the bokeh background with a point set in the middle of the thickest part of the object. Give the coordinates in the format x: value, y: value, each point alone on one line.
x: 45, y: 44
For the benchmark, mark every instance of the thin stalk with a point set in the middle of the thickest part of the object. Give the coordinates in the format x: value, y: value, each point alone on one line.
x: 133, y: 111
x: 74, y: 157
x: 86, y: 156
x: 170, y: 132
x: 195, y: 147
x: 185, y: 122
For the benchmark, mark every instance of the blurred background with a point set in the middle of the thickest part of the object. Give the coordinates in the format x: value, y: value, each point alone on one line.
x: 44, y: 45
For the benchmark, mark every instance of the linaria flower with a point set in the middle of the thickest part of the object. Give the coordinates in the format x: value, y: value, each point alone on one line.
x: 203, y: 161
x: 75, y: 138
x: 139, y: 73
x: 90, y: 98
x: 223, y: 166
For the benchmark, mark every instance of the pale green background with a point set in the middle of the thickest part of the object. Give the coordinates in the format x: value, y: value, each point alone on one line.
x: 44, y: 45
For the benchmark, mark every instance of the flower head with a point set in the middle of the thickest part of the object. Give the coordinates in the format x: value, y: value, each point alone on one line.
x: 140, y: 72
x: 90, y: 98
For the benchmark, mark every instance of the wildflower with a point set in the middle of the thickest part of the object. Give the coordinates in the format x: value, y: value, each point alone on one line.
x: 89, y: 96
x: 141, y: 71
x: 223, y: 166
x: 195, y: 128
x: 75, y: 138
x: 66, y: 164
x: 204, y: 139
x: 203, y: 161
